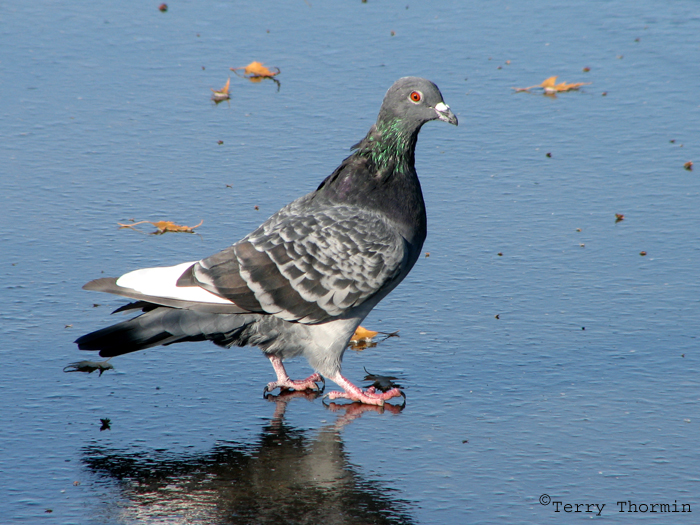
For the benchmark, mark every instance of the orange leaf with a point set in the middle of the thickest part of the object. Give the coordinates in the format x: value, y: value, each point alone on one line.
x: 256, y: 70
x: 569, y: 87
x: 222, y: 94
x: 163, y: 227
x: 550, y: 86
x: 362, y: 334
x: 549, y: 83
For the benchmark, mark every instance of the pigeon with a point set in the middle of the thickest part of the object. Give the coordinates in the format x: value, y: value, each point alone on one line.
x: 302, y: 282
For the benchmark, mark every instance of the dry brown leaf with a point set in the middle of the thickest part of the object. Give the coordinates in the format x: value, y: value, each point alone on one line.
x: 362, y: 334
x: 383, y: 383
x: 256, y: 71
x: 163, y: 227
x: 363, y: 338
x: 221, y: 94
x: 89, y: 366
x: 550, y: 86
x: 562, y: 86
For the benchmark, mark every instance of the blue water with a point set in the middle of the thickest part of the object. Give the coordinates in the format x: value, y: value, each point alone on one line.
x: 584, y: 388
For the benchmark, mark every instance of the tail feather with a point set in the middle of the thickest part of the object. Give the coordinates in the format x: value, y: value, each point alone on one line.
x: 162, y: 325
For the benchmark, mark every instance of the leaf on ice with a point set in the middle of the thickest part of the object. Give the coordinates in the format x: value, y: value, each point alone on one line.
x: 383, y: 383
x: 362, y: 334
x: 89, y: 366
x: 222, y: 94
x: 257, y: 72
x: 162, y: 227
x: 363, y: 338
x: 551, y: 87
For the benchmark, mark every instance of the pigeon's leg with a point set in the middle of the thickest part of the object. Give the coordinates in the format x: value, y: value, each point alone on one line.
x: 371, y: 396
x: 283, y: 380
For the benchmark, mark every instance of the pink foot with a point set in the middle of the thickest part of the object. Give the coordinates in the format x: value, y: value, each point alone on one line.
x: 283, y: 382
x: 369, y: 396
x: 310, y: 383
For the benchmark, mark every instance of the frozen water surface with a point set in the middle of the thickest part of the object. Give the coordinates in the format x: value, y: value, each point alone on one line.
x: 540, y: 353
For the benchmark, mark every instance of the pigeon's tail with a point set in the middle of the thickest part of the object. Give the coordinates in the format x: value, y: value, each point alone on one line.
x: 162, y: 325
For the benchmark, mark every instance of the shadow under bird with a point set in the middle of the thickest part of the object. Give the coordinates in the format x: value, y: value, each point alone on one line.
x: 301, y: 283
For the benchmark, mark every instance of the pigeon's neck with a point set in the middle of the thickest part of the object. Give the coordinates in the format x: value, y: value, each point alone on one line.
x: 390, y: 145
x: 381, y: 176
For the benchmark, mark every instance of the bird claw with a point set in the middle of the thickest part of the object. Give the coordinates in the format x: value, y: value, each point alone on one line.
x: 369, y: 396
x: 310, y: 383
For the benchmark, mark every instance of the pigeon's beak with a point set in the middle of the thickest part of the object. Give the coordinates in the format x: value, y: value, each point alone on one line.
x: 444, y: 113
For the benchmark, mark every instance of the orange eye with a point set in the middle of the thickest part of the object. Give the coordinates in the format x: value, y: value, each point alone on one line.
x: 415, y: 96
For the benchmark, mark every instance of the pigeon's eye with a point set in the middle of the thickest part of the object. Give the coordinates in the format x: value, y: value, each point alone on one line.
x: 415, y: 96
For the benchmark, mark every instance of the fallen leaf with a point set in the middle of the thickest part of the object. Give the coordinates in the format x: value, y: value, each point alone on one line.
x: 89, y: 366
x: 222, y: 94
x: 163, y: 227
x: 550, y: 86
x: 619, y: 217
x: 163, y: 8
x: 688, y: 165
x: 383, y: 383
x: 256, y: 70
x: 105, y: 424
x: 363, y: 334
x: 363, y: 338
x: 642, y: 253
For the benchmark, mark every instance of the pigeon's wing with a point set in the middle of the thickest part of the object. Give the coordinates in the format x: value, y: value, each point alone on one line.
x: 306, y: 265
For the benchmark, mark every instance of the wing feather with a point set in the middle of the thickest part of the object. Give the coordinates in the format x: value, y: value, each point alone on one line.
x: 307, y: 264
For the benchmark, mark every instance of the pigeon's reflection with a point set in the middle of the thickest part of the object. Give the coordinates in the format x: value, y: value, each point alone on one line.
x: 288, y: 476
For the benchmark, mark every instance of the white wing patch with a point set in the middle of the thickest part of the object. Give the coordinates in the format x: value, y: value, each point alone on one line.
x: 160, y: 282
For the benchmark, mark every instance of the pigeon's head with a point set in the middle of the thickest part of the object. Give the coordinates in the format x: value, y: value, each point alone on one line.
x: 413, y: 101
